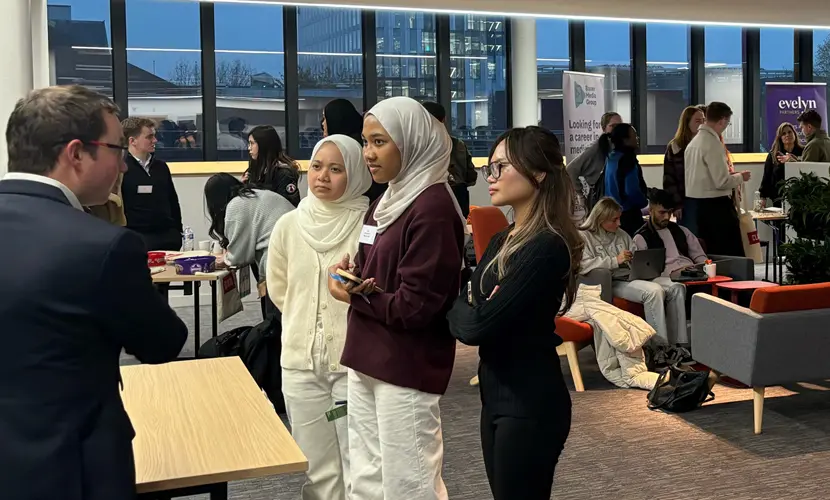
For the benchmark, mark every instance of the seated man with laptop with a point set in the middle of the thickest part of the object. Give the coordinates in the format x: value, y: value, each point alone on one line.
x: 636, y: 273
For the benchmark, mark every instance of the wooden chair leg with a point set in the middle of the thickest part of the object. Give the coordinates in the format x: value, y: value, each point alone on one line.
x: 573, y: 362
x: 758, y: 407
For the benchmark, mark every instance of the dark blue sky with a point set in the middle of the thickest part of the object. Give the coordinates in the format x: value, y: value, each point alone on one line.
x: 165, y: 24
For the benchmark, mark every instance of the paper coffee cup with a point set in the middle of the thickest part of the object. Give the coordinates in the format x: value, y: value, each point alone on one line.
x: 205, y: 245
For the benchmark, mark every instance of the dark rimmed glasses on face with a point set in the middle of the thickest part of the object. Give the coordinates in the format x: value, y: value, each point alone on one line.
x: 493, y: 170
x: 123, y: 149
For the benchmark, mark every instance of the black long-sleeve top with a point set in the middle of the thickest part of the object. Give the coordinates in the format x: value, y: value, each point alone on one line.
x: 519, y: 373
x: 773, y: 175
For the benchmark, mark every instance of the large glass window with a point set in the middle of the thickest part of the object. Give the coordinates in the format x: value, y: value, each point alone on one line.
x: 608, y: 51
x: 724, y: 75
x: 406, y: 55
x: 821, y: 59
x: 777, y: 63
x: 330, y: 66
x: 250, y: 74
x: 79, y: 44
x: 553, y: 58
x: 165, y: 73
x: 478, y: 73
x: 667, y: 57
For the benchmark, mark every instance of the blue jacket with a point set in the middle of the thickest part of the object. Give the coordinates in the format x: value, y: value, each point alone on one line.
x: 624, y: 181
x: 76, y: 291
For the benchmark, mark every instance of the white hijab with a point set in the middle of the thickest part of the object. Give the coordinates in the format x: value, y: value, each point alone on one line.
x: 425, y: 149
x: 326, y: 224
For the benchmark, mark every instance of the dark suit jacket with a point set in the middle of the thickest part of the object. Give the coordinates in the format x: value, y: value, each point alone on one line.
x: 75, y: 291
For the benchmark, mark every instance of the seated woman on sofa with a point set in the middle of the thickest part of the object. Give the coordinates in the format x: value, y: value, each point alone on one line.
x: 609, y: 247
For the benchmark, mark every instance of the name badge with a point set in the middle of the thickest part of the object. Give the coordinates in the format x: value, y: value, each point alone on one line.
x: 145, y: 189
x: 368, y: 234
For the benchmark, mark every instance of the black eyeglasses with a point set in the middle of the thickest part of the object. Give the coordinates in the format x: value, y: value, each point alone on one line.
x: 493, y: 170
x: 123, y: 149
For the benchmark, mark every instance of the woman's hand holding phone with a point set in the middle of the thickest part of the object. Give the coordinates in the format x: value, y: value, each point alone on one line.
x: 341, y: 286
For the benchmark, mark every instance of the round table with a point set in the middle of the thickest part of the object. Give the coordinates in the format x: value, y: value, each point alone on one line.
x: 738, y: 286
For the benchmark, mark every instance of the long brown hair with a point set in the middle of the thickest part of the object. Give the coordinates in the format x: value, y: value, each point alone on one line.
x: 684, y: 134
x: 531, y: 151
x: 778, y: 144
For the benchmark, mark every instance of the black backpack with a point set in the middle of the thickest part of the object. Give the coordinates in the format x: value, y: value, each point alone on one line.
x: 259, y: 347
x: 596, y: 193
x: 678, y: 391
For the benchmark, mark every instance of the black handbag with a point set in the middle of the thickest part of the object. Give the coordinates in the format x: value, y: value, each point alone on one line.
x: 678, y: 391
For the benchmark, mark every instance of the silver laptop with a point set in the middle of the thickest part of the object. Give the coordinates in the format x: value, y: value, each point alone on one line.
x: 647, y: 264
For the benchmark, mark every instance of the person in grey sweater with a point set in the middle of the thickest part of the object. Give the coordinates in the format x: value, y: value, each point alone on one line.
x: 589, y: 165
x: 242, y: 219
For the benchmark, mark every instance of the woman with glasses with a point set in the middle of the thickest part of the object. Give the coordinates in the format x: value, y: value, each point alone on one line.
x: 528, y: 271
x: 270, y: 168
x: 399, y: 350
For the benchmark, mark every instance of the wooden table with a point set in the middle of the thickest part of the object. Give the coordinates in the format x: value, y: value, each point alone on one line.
x: 169, y: 276
x: 738, y: 286
x: 201, y: 423
x: 711, y: 281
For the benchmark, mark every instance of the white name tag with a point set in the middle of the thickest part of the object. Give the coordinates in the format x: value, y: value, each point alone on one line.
x: 145, y: 189
x: 368, y: 234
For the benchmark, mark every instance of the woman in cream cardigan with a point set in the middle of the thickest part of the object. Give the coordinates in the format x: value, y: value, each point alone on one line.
x: 304, y: 244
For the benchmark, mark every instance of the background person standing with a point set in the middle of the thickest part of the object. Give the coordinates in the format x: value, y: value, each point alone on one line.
x: 151, y: 204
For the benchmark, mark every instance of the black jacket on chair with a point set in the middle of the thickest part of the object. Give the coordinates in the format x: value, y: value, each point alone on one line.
x: 75, y: 291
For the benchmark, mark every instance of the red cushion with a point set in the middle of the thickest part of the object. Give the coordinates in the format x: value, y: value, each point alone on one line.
x: 628, y: 306
x: 573, y: 331
x: 791, y: 298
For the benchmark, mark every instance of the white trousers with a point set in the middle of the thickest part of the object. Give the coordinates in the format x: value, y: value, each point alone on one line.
x: 308, y: 396
x: 395, y: 442
x: 664, y: 302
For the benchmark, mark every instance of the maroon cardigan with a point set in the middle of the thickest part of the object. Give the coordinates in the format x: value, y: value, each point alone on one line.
x: 402, y: 337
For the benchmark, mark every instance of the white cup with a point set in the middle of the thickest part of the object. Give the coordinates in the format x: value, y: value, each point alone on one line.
x: 711, y: 270
x: 217, y: 248
x: 205, y: 245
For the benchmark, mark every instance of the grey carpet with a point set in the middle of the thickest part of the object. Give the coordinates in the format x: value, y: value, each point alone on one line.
x: 619, y: 449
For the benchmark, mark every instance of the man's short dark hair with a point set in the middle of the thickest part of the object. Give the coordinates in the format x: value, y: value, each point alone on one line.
x: 663, y: 198
x: 44, y: 121
x: 717, y: 111
x: 134, y: 125
x: 436, y: 110
x: 810, y: 117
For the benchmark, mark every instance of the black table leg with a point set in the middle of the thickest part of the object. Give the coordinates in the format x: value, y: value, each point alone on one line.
x: 196, y: 318
x: 213, y: 321
x: 219, y: 491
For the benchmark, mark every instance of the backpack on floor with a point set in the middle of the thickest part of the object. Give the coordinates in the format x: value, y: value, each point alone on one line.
x: 678, y: 391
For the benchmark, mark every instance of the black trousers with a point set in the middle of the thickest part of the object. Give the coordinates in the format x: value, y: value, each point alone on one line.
x: 718, y: 226
x: 462, y: 196
x: 631, y: 221
x: 520, y: 454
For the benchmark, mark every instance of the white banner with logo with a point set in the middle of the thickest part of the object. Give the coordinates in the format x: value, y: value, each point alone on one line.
x: 584, y: 104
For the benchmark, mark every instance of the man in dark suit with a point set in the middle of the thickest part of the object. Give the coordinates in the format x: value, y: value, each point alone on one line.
x: 76, y: 291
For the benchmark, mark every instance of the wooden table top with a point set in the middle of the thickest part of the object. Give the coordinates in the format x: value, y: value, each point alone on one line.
x: 746, y: 285
x: 203, y: 421
x: 169, y: 276
x: 768, y: 215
